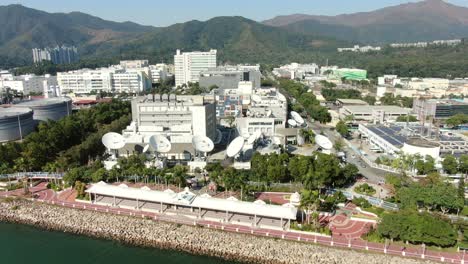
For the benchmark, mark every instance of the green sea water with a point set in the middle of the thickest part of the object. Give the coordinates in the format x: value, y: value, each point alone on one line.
x: 20, y: 244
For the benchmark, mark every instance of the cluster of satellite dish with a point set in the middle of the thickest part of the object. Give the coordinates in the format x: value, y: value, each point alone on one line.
x: 296, y: 120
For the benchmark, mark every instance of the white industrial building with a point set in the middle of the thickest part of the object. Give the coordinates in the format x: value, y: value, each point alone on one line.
x: 374, y: 113
x: 267, y: 112
x: 188, y: 65
x: 393, y: 140
x: 134, y: 64
x: 358, y: 48
x: 159, y: 72
x: 296, y: 70
x: 28, y: 84
x: 112, y: 79
x: 177, y: 118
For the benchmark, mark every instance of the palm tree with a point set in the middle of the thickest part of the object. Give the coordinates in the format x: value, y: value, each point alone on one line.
x: 310, y: 202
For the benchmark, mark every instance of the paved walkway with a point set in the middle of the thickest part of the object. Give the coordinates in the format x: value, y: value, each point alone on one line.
x: 51, y: 197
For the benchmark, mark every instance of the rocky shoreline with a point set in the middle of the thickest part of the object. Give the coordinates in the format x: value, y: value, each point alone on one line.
x: 195, y: 240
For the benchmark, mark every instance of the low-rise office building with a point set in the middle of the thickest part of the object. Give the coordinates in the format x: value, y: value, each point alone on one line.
x: 438, y: 108
x: 229, y: 77
x: 374, y: 113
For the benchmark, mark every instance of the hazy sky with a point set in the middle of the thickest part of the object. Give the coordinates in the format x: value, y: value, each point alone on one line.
x: 166, y: 12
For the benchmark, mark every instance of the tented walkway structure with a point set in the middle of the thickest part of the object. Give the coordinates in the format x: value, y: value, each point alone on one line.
x: 231, y: 210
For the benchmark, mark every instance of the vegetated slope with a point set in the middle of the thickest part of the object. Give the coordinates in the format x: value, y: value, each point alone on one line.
x: 26, y: 28
x: 237, y: 39
x: 421, y: 21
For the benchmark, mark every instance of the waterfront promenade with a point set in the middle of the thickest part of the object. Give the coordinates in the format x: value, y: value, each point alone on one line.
x: 46, y: 196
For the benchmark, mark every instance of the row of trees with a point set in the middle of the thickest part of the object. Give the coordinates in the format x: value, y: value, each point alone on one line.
x: 308, y: 101
x: 458, y: 119
x: 391, y: 99
x: 132, y: 168
x: 333, y: 94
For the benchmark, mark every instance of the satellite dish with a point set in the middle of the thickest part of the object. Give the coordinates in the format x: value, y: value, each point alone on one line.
x: 235, y: 147
x: 268, y: 113
x: 160, y: 144
x: 202, y: 143
x: 146, y: 148
x: 281, y: 97
x: 276, y: 140
x: 219, y: 136
x: 251, y: 139
x: 256, y: 98
x: 258, y: 134
x: 292, y: 123
x: 245, y: 135
x: 323, y: 142
x: 113, y: 141
x: 297, y: 117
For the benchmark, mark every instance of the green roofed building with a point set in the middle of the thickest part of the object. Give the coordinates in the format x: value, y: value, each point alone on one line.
x: 350, y: 74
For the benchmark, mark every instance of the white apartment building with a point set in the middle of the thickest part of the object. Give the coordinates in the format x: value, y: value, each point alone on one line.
x: 188, y: 65
x: 28, y: 84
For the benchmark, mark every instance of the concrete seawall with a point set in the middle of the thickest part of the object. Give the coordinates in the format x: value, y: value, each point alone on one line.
x: 196, y: 240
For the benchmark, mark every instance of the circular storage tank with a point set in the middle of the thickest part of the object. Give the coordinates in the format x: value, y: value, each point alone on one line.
x: 422, y: 147
x: 50, y: 108
x: 15, y: 123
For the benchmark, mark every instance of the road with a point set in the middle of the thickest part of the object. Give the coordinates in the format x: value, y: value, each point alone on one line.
x: 373, y: 175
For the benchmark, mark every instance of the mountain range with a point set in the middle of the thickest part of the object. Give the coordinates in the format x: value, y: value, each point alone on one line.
x: 419, y: 21
x: 285, y: 38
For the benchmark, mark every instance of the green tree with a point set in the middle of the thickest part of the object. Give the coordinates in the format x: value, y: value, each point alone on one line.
x: 450, y: 164
x: 417, y: 228
x: 342, y: 128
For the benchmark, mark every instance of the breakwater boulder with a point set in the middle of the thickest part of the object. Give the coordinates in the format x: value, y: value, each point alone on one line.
x: 192, y: 239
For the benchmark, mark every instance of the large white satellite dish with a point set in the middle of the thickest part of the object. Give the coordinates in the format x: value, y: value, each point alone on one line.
x: 258, y: 134
x: 281, y: 97
x: 146, y: 148
x: 113, y: 141
x: 256, y: 98
x: 160, y: 144
x: 251, y: 139
x: 235, y: 147
x: 323, y: 142
x: 219, y: 136
x: 292, y: 123
x: 202, y: 143
x: 297, y: 117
